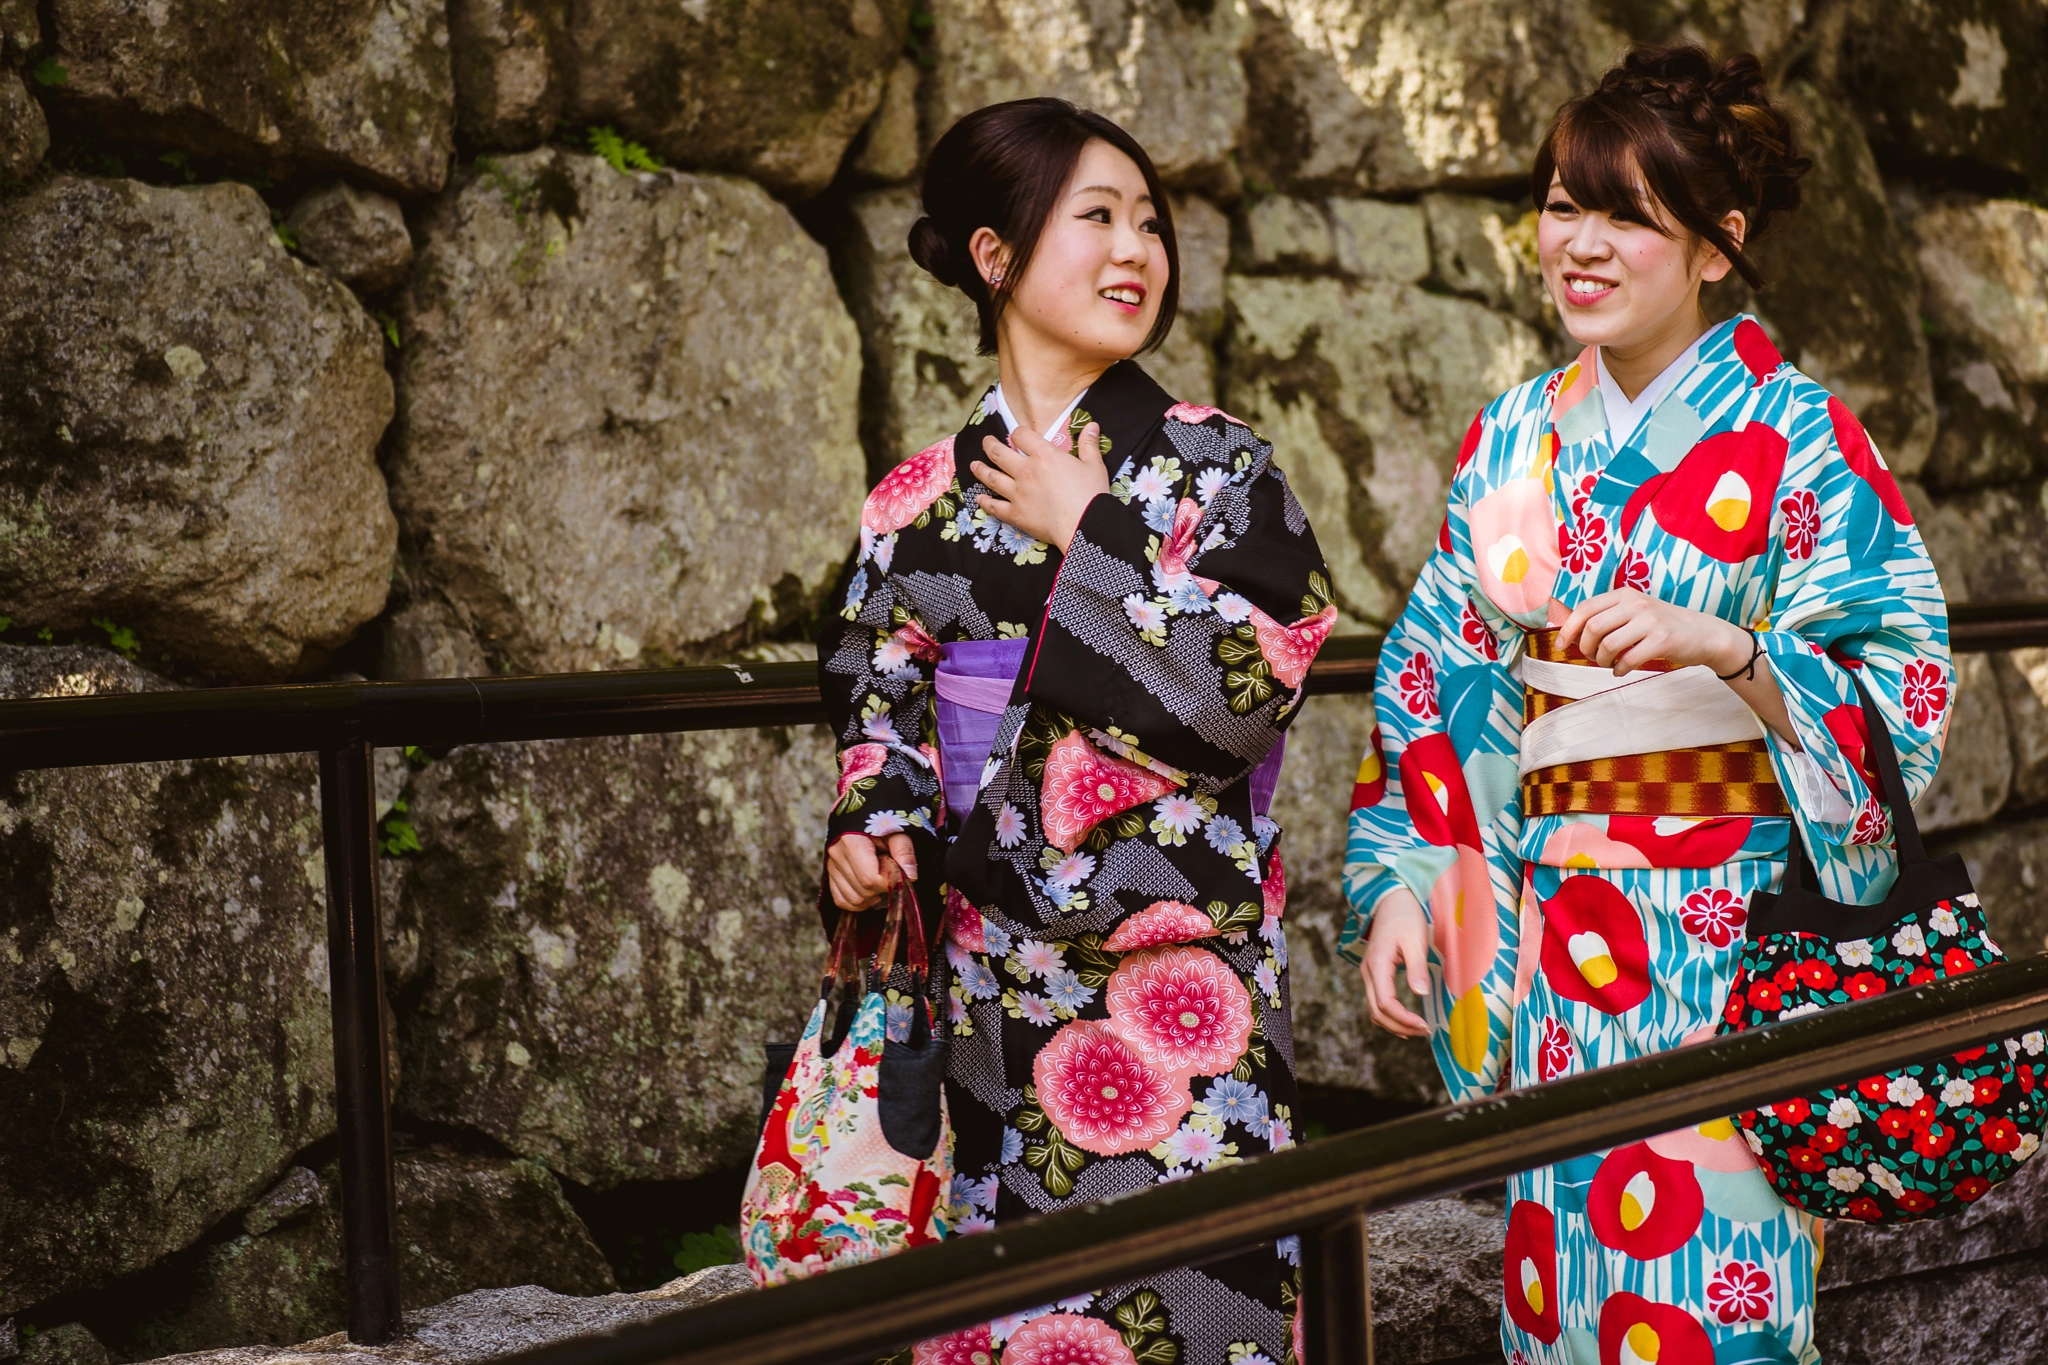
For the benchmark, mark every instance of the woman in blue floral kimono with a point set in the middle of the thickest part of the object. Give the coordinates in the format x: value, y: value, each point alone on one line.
x: 1059, y: 671
x: 1620, y: 689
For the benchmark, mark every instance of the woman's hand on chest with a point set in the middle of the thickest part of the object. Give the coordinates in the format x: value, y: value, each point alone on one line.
x: 1039, y: 488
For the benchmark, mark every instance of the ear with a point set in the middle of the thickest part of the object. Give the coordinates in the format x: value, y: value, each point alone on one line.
x: 1716, y: 266
x: 990, y: 255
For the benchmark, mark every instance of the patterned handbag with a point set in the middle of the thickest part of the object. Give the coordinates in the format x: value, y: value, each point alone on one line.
x: 1920, y: 1142
x: 856, y: 1154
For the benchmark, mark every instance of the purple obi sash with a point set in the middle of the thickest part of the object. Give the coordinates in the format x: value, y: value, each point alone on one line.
x: 974, y: 681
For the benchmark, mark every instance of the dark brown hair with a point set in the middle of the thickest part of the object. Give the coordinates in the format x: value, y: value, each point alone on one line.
x: 1002, y: 167
x: 1705, y: 139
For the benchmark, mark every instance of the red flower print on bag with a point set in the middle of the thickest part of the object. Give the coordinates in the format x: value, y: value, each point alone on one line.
x: 1713, y: 916
x: 1554, y: 1054
x: 1863, y: 985
x: 1417, y: 681
x: 1925, y: 693
x: 1067, y: 1339
x: 907, y: 490
x: 1802, y: 522
x: 1740, y: 1292
x: 1101, y: 1095
x: 1182, y: 1009
x: 2002, y: 1135
x: 1581, y: 544
x: 1083, y: 787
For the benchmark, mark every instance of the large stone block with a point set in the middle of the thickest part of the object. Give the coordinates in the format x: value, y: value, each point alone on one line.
x: 503, y: 55
x: 1977, y: 758
x: 1335, y: 1043
x: 163, y: 994
x: 1843, y: 294
x: 1168, y: 72
x: 2023, y: 682
x: 628, y: 419
x: 1985, y: 544
x: 464, y: 1223
x: 1436, y: 1281
x: 358, y: 236
x: 24, y: 133
x: 610, y: 930
x: 1394, y: 95
x: 1987, y: 1313
x: 352, y: 87
x: 2008, y: 865
x: 189, y: 428
x: 773, y: 91
x: 1366, y: 391
x: 1953, y: 86
x: 1487, y: 249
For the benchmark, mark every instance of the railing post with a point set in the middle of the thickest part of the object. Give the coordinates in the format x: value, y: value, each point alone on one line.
x: 362, y: 1098
x: 1336, y: 1286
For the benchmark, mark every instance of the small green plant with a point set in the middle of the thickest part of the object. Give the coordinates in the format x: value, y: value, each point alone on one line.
x: 286, y: 236
x: 399, y: 835
x: 49, y: 71
x: 5, y: 622
x: 178, y: 161
x: 697, y: 1251
x: 119, y: 638
x: 46, y: 635
x: 417, y: 756
x: 917, y: 44
x: 619, y: 153
x: 390, y: 326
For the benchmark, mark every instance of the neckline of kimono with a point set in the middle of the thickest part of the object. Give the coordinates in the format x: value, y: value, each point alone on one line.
x: 1010, y: 422
x: 1625, y: 416
x: 1126, y: 402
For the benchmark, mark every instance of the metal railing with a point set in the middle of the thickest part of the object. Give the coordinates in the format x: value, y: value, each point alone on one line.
x: 346, y: 722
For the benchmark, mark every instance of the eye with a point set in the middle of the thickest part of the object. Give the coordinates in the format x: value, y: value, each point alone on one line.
x: 1150, y: 225
x: 1561, y: 207
x: 1098, y: 214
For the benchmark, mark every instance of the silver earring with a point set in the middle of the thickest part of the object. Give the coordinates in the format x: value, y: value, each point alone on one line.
x: 995, y: 279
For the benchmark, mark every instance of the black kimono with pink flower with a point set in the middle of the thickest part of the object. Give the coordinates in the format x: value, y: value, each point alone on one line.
x: 1111, y: 899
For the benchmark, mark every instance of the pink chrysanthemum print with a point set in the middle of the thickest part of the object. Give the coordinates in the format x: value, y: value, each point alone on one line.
x: 1183, y: 1009
x: 1289, y: 650
x: 1192, y: 413
x: 1067, y: 1339
x: 1102, y: 1095
x: 1083, y: 787
x: 1158, y: 923
x: 1713, y: 915
x: 907, y: 490
x: 859, y: 763
x: 970, y: 1347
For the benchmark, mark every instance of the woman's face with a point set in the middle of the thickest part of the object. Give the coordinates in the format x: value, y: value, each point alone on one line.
x: 1094, y: 281
x: 1617, y: 281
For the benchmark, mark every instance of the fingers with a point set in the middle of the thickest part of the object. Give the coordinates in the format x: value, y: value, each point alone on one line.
x: 1030, y: 444
x: 1619, y: 638
x: 1384, y: 1005
x: 905, y: 854
x: 1089, y: 447
x: 856, y: 875
x: 1572, y: 631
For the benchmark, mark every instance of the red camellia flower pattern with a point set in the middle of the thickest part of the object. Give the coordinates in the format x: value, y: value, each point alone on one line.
x: 1802, y: 522
x: 1554, y: 1054
x: 1863, y: 985
x: 1633, y: 1328
x: 1925, y: 692
x: 1160, y: 922
x: 1417, y: 681
x: 1066, y: 1339
x: 1083, y: 787
x: 1740, y: 1292
x: 1593, y: 949
x: 1713, y: 916
x: 907, y: 490
x: 1642, y: 1204
x: 2001, y: 1136
x: 1475, y: 632
x: 1529, y: 1270
x: 1581, y: 544
x: 1102, y: 1095
x: 1635, y: 571
x: 1182, y: 1009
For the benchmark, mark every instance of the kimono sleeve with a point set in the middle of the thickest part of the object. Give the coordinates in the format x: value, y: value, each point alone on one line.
x: 1855, y: 591
x: 1180, y: 630
x: 1437, y: 805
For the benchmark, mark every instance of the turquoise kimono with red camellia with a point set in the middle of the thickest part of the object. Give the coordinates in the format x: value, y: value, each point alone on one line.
x: 1571, y: 941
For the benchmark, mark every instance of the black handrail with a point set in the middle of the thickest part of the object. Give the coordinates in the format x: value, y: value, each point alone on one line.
x: 346, y: 722
x: 873, y: 1308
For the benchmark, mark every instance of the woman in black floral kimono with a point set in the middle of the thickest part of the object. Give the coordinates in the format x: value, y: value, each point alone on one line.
x: 1060, y: 671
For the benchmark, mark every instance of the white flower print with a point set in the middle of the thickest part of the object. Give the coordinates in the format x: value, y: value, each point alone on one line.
x: 1207, y: 482
x: 884, y: 822
x: 1040, y: 959
x: 1071, y: 870
x: 1066, y: 991
x: 885, y: 552
x: 1033, y: 1009
x: 1148, y: 615
x: 1886, y: 1181
x: 1176, y: 816
x: 1904, y: 1091
x: 892, y: 656
x: 1288, y: 1249
x: 1192, y: 1146
x: 1810, y: 1007
x: 1844, y: 1113
x: 1847, y: 1179
x: 1009, y: 826
x: 1854, y: 952
x: 998, y: 940
x: 2030, y: 1143
x: 1279, y: 1136
x: 1958, y: 1093
x: 1233, y: 608
x: 978, y: 981
x: 1166, y: 580
x: 1188, y: 599
x: 975, y: 1222
x: 1268, y: 980
x: 2033, y: 1042
x: 1152, y: 483
x: 1756, y: 1144
x: 1910, y: 941
x: 1943, y: 921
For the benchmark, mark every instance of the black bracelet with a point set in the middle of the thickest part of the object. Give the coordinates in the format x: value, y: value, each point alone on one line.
x: 1756, y: 651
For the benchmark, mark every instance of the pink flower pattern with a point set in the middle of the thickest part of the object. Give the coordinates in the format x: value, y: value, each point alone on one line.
x: 1159, y: 923
x: 1192, y: 413
x: 1101, y: 1094
x: 1713, y: 916
x: 1740, y: 1292
x: 1067, y: 1339
x: 970, y: 1347
x: 1182, y: 1009
x: 1180, y: 547
x: 907, y: 490
x: 1083, y: 786
x: 857, y: 764
x: 1289, y: 650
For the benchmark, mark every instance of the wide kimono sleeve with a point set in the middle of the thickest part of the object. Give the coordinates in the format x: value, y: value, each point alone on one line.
x: 1437, y: 805
x: 1855, y: 591
x: 1181, y: 628
x: 875, y: 666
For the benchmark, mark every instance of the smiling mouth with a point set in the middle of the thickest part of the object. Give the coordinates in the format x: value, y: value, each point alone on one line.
x: 1129, y: 295
x: 1585, y: 289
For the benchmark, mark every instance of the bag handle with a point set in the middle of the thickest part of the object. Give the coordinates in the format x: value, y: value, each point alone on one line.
x: 1891, y: 791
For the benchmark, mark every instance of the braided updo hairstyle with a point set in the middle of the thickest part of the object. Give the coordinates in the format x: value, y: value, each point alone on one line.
x: 1002, y: 167
x: 1704, y: 138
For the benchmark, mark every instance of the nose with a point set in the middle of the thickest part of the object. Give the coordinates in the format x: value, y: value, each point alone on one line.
x: 1588, y: 241
x: 1128, y: 246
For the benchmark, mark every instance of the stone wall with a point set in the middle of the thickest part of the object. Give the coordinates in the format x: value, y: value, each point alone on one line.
x: 417, y: 338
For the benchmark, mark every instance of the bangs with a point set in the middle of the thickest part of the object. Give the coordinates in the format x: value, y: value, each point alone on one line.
x: 1592, y: 151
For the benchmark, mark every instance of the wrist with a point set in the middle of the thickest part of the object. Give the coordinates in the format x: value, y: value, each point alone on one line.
x: 1732, y: 651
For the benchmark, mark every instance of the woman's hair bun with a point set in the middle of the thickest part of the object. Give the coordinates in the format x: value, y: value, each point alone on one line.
x: 928, y: 247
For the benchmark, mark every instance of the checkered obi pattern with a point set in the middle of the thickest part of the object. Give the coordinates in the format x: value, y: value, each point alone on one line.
x: 1724, y: 776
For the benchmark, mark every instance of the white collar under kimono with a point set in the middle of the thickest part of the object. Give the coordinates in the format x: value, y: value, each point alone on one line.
x: 1053, y: 433
x: 1624, y: 414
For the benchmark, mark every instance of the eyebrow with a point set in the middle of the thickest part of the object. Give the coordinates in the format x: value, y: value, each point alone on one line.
x: 1110, y: 190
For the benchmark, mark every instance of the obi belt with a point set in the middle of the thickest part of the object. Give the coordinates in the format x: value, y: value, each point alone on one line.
x: 974, y: 680
x: 1661, y: 741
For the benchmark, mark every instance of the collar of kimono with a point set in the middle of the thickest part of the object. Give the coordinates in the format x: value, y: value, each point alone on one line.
x: 1126, y: 401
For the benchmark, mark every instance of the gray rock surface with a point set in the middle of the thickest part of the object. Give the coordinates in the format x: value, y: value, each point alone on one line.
x: 2008, y: 865
x: 610, y: 930
x: 1977, y: 760
x: 353, y: 87
x: 1396, y: 95
x: 189, y: 427
x: 1281, y: 232
x: 163, y: 994
x: 502, y: 54
x: 1986, y: 269
x: 1185, y: 363
x: 1987, y: 1314
x: 427, y: 639
x: 488, y: 1323
x: 627, y: 428
x: 2011, y: 1220
x: 69, y: 1344
x: 1436, y: 1280
x: 464, y: 1223
x: 1985, y: 543
x: 356, y: 235
x: 1366, y: 391
x: 1375, y: 240
x: 1168, y: 72
x: 1486, y: 249
x: 770, y: 89
x: 24, y: 132
x: 2023, y: 683
x: 891, y: 149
